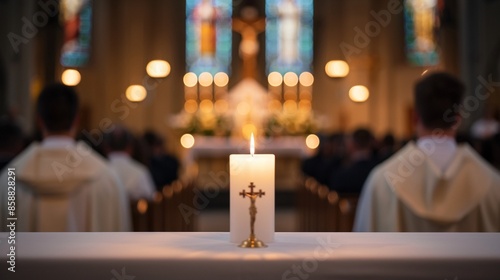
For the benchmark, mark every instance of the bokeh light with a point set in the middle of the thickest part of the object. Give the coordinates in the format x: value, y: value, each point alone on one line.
x: 205, y: 79
x: 312, y: 141
x: 275, y: 79
x: 206, y: 106
x: 290, y: 79
x: 190, y: 79
x: 290, y: 106
x: 187, y: 141
x: 221, y: 79
x: 337, y: 68
x: 306, y: 79
x: 359, y: 93
x: 158, y: 68
x: 136, y: 93
x: 71, y: 77
x: 191, y: 106
x: 274, y: 105
x: 305, y: 105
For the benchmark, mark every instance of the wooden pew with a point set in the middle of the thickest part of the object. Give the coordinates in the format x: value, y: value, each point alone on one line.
x: 323, y: 210
x: 162, y: 212
x: 139, y: 213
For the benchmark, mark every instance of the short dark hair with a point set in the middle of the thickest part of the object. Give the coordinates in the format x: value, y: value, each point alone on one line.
x: 119, y: 139
x: 436, y: 95
x: 57, y: 106
x: 388, y: 140
x: 362, y: 138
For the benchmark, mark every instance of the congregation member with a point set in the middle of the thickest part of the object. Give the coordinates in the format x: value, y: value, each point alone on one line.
x: 163, y: 167
x: 349, y: 177
x: 61, y: 184
x: 328, y: 157
x: 432, y: 184
x: 386, y: 147
x: 135, y: 176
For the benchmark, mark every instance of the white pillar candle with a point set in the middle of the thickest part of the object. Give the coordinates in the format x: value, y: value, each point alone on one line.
x: 259, y: 170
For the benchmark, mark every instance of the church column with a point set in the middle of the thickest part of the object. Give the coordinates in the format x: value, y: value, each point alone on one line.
x: 18, y: 50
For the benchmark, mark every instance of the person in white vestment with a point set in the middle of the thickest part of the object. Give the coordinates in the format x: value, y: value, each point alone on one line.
x: 61, y: 184
x: 135, y: 176
x: 432, y: 184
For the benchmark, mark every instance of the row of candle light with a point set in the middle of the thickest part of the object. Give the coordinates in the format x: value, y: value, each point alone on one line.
x: 210, y: 90
x: 161, y: 69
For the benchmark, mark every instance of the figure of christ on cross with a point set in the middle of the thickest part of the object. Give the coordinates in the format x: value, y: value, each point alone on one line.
x: 249, y: 46
x: 253, y: 209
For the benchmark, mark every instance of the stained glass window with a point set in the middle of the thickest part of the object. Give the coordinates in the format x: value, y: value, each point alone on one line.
x: 76, y: 16
x: 421, y: 27
x: 289, y: 35
x: 208, y: 36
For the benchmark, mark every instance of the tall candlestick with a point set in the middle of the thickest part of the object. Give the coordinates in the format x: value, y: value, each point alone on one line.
x: 258, y: 170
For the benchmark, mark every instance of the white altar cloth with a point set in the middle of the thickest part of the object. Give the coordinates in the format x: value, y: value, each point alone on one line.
x: 201, y: 255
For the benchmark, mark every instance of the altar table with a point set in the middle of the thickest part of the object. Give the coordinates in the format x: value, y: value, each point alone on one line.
x: 203, y: 255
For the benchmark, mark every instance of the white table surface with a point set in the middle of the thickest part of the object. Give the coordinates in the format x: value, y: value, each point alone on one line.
x: 201, y: 255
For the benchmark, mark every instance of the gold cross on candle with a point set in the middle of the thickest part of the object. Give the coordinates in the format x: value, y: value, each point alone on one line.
x: 252, y: 242
x: 252, y: 194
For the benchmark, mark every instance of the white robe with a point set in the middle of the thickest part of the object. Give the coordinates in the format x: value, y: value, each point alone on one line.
x: 68, y: 188
x: 409, y: 193
x: 134, y: 175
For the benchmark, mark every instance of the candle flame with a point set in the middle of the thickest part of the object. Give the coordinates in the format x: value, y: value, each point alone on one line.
x: 252, y: 144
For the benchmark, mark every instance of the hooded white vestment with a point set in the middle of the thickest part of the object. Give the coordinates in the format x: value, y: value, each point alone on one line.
x: 64, y: 188
x: 408, y: 192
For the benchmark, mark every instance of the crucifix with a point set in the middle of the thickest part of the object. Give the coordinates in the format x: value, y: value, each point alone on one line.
x: 252, y: 242
x: 249, y: 28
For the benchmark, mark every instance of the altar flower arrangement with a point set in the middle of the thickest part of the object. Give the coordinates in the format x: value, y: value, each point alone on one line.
x: 203, y: 123
x: 291, y: 124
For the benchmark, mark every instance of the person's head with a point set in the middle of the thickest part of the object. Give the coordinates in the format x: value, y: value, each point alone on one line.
x: 437, y: 99
x: 389, y: 141
x: 360, y: 140
x: 331, y: 145
x: 57, y: 110
x: 155, y: 143
x: 119, y: 140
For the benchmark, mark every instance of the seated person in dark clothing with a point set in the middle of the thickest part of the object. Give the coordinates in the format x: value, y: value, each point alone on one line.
x: 352, y: 173
x: 328, y: 157
x: 11, y: 141
x: 164, y: 168
x: 387, y: 147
